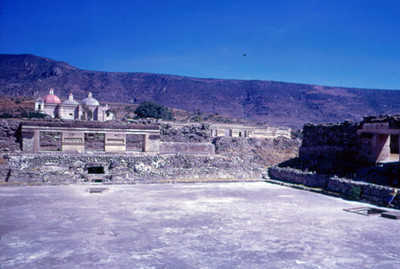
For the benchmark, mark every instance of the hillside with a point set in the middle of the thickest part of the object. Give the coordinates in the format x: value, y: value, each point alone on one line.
x: 280, y: 103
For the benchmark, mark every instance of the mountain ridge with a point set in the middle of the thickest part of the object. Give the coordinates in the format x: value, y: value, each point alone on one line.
x: 282, y: 103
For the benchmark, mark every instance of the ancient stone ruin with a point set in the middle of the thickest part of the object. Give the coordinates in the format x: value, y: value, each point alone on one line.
x: 373, y: 140
x: 348, y: 157
x: 55, y: 151
x: 81, y: 137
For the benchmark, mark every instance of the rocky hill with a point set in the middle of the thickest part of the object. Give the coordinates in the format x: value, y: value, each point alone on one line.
x: 280, y: 103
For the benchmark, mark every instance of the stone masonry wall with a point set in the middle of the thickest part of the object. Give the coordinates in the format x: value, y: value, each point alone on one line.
x: 187, y: 153
x: 334, y: 141
x: 10, y: 142
x: 9, y: 138
x: 187, y: 148
x: 187, y: 134
x: 375, y: 194
x: 63, y: 168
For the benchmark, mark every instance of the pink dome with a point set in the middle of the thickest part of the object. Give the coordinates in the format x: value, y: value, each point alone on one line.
x: 51, y: 98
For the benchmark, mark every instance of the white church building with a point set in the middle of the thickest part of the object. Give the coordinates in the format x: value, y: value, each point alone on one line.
x: 88, y: 109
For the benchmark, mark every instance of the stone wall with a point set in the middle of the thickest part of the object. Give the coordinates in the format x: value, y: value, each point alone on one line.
x: 334, y: 141
x: 261, y: 152
x: 186, y: 154
x: 187, y: 133
x: 349, y: 150
x: 187, y: 148
x: 10, y: 140
x: 74, y: 168
x: 372, y: 193
x: 295, y: 176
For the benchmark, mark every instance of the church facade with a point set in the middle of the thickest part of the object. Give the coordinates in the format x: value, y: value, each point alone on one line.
x: 88, y: 109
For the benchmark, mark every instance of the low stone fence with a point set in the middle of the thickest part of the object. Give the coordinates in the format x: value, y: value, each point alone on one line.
x: 187, y: 148
x: 372, y: 193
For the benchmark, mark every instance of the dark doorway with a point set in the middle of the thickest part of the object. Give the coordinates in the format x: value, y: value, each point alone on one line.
x: 394, y: 148
x: 96, y: 170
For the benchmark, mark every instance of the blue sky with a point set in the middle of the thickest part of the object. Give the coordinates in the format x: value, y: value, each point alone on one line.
x: 335, y: 43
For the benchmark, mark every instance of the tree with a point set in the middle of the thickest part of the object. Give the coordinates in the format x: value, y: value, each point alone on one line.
x: 150, y: 109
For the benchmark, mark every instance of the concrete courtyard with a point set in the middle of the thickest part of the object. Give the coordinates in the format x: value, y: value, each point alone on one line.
x: 215, y: 225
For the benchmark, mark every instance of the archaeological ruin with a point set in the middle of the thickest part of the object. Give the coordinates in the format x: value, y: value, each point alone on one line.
x: 57, y: 151
x: 79, y: 143
x: 373, y: 140
x: 348, y: 157
x: 241, y: 130
x: 81, y: 137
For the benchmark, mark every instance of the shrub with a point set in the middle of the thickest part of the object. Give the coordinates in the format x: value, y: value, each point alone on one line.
x: 149, y: 109
x: 354, y: 194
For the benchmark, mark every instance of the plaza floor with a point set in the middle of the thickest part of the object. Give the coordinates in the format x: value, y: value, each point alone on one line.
x: 214, y: 225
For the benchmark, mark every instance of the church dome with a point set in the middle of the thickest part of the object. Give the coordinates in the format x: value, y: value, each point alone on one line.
x: 70, y: 101
x: 90, y: 101
x: 51, y: 98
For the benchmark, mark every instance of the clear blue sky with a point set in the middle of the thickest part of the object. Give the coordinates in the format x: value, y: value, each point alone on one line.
x: 337, y: 43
